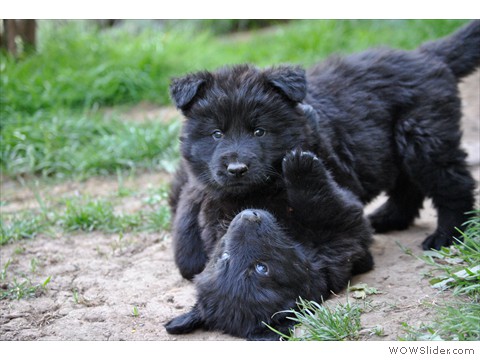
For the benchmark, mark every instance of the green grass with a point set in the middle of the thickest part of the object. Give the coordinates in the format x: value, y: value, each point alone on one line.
x: 321, y: 322
x: 19, y: 227
x: 87, y: 214
x: 80, y: 66
x: 455, y: 269
x: 68, y: 144
x: 19, y: 289
x: 15, y: 289
x: 455, y: 321
x: 458, y: 267
x: 49, y: 100
x: 99, y: 215
x: 95, y: 215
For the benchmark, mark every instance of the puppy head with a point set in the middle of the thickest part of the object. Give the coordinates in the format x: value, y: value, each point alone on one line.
x: 240, y: 121
x: 256, y: 272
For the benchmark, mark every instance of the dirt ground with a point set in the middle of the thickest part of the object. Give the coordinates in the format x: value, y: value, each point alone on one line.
x: 97, y: 279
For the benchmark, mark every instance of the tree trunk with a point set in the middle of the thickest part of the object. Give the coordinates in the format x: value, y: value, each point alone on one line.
x: 24, y: 30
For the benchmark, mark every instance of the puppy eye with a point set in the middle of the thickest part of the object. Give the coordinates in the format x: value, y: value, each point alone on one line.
x: 217, y: 134
x: 261, y: 268
x: 225, y: 256
x: 259, y: 132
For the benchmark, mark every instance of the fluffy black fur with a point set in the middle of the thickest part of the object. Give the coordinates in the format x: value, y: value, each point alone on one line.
x: 257, y: 269
x: 306, y: 150
x: 381, y: 120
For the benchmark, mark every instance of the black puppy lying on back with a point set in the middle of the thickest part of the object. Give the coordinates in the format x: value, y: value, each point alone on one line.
x: 257, y: 269
x: 386, y: 120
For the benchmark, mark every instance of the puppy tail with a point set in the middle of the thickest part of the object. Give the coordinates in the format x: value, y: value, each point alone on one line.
x: 460, y: 51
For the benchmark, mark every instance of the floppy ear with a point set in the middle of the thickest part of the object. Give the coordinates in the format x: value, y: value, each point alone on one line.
x: 184, y: 89
x: 185, y: 323
x: 290, y: 80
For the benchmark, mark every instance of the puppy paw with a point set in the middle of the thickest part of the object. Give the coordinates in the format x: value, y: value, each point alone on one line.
x: 185, y: 323
x: 191, y: 265
x: 387, y: 219
x: 437, y: 240
x: 300, y: 167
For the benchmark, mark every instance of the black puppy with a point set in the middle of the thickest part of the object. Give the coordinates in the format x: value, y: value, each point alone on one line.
x: 258, y: 270
x: 381, y: 120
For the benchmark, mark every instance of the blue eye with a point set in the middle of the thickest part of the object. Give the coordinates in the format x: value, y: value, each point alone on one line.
x: 217, y: 134
x: 261, y: 268
x: 259, y: 132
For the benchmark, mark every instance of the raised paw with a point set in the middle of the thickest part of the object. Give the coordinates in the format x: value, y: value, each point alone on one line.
x: 301, y: 166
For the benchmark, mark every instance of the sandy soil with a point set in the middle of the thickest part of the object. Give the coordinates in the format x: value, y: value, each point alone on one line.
x: 98, y: 279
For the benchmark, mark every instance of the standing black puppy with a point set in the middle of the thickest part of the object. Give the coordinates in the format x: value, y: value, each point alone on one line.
x: 381, y: 120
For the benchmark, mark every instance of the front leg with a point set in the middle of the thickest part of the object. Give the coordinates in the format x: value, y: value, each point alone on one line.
x: 189, y: 250
x: 316, y: 199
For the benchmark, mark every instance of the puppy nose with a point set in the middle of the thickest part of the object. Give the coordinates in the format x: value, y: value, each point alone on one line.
x: 250, y: 215
x: 237, y: 169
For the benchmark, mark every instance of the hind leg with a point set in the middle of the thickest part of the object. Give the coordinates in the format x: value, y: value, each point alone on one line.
x: 453, y: 198
x: 434, y: 161
x: 400, y: 210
